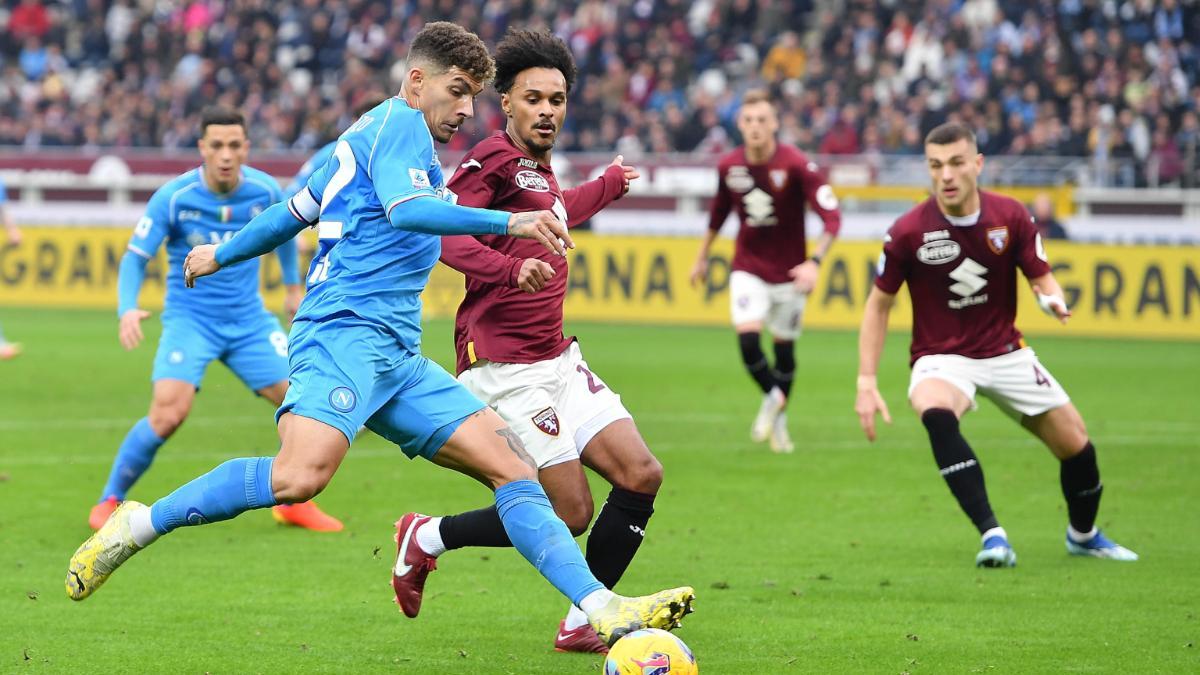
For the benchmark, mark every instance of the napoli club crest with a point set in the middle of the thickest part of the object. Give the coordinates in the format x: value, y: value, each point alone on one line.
x: 997, y: 238
x: 547, y: 421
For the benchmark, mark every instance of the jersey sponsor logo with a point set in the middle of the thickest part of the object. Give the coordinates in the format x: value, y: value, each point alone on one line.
x: 739, y: 180
x: 968, y: 278
x: 936, y: 234
x: 420, y: 178
x: 939, y: 252
x: 778, y: 178
x: 190, y: 214
x: 342, y: 399
x: 470, y: 163
x: 547, y: 422
x: 532, y: 181
x: 760, y: 208
x: 997, y: 239
x: 527, y: 163
x: 826, y: 199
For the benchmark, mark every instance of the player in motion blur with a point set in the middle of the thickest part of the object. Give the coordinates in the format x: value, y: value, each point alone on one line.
x: 959, y: 252
x: 225, y: 320
x: 772, y: 274
x: 511, y: 350
x: 355, y: 344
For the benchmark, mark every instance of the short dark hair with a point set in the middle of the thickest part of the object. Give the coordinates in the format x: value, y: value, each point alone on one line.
x: 521, y: 50
x: 219, y: 114
x: 757, y: 96
x: 950, y: 132
x: 446, y: 45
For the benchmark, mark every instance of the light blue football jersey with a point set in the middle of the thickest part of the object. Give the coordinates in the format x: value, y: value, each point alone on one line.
x: 364, y: 266
x: 185, y: 213
x: 316, y: 161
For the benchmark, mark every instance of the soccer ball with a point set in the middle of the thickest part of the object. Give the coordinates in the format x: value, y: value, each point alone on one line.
x: 650, y: 651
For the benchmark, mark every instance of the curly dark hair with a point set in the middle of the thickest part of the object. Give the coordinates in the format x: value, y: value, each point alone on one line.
x: 524, y: 49
x: 446, y: 45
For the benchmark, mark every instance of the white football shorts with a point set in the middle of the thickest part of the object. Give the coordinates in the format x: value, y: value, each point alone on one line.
x: 555, y: 406
x: 1016, y: 381
x: 780, y: 307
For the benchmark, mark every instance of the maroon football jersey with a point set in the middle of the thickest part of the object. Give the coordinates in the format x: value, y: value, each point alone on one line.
x: 963, y: 278
x: 496, y: 320
x: 769, y: 199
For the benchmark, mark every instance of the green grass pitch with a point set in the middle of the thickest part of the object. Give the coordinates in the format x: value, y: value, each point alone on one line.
x: 844, y: 557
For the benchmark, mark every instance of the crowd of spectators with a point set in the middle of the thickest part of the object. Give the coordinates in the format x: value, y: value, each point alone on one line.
x: 1112, y: 81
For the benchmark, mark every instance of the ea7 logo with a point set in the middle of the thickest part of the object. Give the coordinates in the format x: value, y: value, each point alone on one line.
x: 969, y: 278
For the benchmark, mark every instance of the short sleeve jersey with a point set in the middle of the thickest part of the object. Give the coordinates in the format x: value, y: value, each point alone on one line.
x: 185, y: 213
x: 770, y: 201
x: 963, y: 278
x: 364, y: 266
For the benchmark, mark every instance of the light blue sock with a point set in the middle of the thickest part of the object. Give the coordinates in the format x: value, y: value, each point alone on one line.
x: 236, y: 486
x: 543, y: 538
x: 133, y: 458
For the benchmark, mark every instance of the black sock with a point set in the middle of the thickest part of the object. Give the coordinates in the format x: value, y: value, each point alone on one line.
x: 756, y: 360
x: 481, y: 527
x: 785, y: 365
x: 617, y: 534
x: 1080, y: 479
x: 959, y: 467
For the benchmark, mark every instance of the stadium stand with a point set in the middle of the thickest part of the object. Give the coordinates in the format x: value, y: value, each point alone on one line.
x: 1113, y: 82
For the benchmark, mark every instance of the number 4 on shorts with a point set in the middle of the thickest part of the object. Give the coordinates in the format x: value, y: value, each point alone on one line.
x: 1040, y: 377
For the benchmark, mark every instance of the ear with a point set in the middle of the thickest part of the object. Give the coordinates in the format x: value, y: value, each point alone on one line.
x: 415, y: 78
x: 506, y: 105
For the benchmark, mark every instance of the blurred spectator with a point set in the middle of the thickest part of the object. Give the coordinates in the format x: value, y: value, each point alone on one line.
x: 1114, y: 83
x: 1043, y: 215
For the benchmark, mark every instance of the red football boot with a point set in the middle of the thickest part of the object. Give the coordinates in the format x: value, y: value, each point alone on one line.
x: 582, y: 639
x: 413, y: 564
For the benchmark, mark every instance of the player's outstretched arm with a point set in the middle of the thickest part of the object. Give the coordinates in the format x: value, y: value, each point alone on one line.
x: 586, y: 200
x: 264, y: 233
x: 868, y: 401
x: 431, y: 215
x: 1050, y: 297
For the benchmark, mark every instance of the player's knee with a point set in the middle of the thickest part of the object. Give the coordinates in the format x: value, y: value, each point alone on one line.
x: 645, y: 475
x: 166, y: 418
x: 293, y: 482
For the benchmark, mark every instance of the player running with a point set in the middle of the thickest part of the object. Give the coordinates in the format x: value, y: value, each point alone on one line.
x: 510, y: 347
x: 959, y: 251
x: 225, y: 321
x: 772, y: 274
x: 355, y: 344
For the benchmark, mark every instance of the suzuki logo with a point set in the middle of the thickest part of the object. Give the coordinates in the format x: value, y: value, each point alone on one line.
x: 969, y: 276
